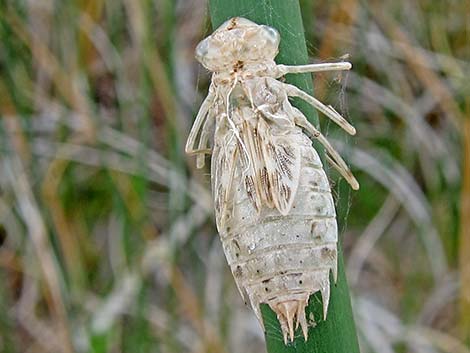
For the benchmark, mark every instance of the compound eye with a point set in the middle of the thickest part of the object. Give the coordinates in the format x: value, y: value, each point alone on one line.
x: 202, y: 49
x: 272, y: 34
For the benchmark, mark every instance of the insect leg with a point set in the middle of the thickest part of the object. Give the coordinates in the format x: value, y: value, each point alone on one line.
x: 201, y: 116
x: 329, y: 111
x: 334, y: 158
x: 281, y: 70
x: 202, y: 149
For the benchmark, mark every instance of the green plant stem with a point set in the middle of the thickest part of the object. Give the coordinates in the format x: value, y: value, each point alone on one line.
x: 338, y: 333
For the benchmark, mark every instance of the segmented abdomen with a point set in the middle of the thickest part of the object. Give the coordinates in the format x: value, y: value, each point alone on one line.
x: 277, y: 258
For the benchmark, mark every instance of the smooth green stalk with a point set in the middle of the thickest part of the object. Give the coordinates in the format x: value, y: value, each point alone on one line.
x: 338, y: 333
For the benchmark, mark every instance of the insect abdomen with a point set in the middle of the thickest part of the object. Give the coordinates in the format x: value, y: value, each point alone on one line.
x: 277, y: 259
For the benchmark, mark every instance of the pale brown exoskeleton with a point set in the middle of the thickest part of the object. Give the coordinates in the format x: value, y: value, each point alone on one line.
x: 273, y: 204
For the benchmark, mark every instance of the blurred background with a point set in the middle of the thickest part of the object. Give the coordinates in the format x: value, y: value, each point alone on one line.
x: 107, y: 237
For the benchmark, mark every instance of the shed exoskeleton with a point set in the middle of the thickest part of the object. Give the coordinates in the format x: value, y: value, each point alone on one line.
x: 273, y: 204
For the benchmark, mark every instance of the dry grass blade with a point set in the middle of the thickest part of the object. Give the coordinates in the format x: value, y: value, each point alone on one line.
x: 400, y: 184
x: 37, y: 231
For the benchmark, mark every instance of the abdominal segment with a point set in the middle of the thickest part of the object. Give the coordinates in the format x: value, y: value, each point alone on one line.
x: 279, y: 259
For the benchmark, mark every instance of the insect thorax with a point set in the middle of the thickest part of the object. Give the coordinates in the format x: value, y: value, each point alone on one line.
x: 240, y: 71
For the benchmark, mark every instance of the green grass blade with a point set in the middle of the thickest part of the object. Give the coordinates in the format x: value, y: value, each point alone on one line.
x: 338, y: 333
